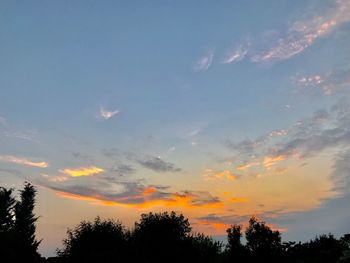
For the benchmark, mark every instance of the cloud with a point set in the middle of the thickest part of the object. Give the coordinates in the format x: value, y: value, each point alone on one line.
x: 273, y: 160
x: 105, y: 114
x: 158, y: 165
x: 221, y: 222
x: 329, y: 83
x: 236, y: 54
x: 341, y: 171
x: 204, y: 62
x: 7, y: 130
x: 239, y: 200
x: 57, y: 178
x: 210, y: 174
x: 123, y: 169
x: 247, y: 166
x: 82, y: 171
x: 22, y: 161
x: 303, y: 34
x: 132, y: 194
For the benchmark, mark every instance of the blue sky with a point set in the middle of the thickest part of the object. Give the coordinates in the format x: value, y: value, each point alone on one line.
x: 219, y: 110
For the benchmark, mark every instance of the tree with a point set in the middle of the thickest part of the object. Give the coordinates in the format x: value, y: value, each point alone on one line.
x: 262, y: 242
x: 234, y: 248
x: 7, y: 239
x: 97, y: 241
x: 161, y: 237
x: 204, y: 249
x: 25, y: 218
x: 17, y: 226
x: 325, y: 249
x: 7, y: 204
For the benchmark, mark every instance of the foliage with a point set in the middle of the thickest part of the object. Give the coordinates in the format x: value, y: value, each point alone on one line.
x: 17, y: 226
x: 262, y: 242
x: 157, y: 237
x: 205, y: 248
x: 97, y: 241
x: 25, y: 217
x: 160, y: 237
x: 7, y: 204
x: 234, y: 248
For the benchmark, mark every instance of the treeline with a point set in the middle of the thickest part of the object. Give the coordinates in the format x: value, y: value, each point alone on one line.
x: 157, y: 237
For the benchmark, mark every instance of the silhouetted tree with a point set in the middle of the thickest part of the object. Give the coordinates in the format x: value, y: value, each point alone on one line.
x: 7, y: 239
x: 235, y: 250
x: 7, y: 204
x: 161, y: 237
x: 25, y: 218
x: 346, y: 254
x: 204, y: 249
x: 98, y: 241
x: 263, y: 243
x: 17, y: 223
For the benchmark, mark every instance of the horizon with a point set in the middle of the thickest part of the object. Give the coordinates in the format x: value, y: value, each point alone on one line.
x: 218, y: 111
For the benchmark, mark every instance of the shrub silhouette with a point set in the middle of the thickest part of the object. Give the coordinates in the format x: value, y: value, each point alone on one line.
x: 97, y: 241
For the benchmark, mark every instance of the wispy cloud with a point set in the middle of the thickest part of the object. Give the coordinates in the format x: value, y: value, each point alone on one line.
x: 303, y: 34
x: 22, y: 161
x: 246, y: 166
x: 204, y: 62
x: 82, y: 171
x: 330, y: 83
x: 106, y: 114
x: 210, y: 174
x: 273, y: 160
x: 236, y: 54
x: 11, y: 132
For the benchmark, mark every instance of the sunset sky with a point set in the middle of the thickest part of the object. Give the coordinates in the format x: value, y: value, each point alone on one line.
x: 216, y: 109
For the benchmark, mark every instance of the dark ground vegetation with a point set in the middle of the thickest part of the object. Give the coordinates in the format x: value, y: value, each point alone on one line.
x: 157, y: 237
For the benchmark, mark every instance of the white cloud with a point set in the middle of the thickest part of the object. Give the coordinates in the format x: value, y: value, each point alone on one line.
x: 105, y: 114
x: 236, y: 54
x: 204, y: 62
x: 303, y: 34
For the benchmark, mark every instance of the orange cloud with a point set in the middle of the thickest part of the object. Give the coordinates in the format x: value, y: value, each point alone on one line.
x: 246, y: 166
x: 83, y: 171
x: 214, y: 175
x: 281, y: 170
x: 239, y: 200
x: 149, y: 190
x: 272, y: 160
x: 216, y: 225
x: 23, y: 161
x: 174, y: 200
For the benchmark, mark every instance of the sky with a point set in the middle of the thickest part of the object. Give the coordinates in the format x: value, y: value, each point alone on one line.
x: 219, y: 110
